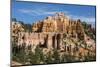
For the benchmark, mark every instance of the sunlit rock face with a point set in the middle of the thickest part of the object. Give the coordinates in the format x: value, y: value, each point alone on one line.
x: 54, y: 32
x: 49, y: 33
x: 60, y: 24
x: 16, y: 28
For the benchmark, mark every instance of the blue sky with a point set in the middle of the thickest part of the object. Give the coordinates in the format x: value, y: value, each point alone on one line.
x: 30, y: 12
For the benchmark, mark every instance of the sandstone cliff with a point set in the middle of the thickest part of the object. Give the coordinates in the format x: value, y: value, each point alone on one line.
x: 60, y: 23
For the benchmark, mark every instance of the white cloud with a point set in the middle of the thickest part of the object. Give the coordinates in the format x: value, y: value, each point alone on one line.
x: 39, y: 12
x: 28, y: 11
x: 25, y: 11
x: 33, y: 12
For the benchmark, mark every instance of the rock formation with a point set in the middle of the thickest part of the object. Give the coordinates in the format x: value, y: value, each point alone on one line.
x: 54, y: 32
x: 60, y: 24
